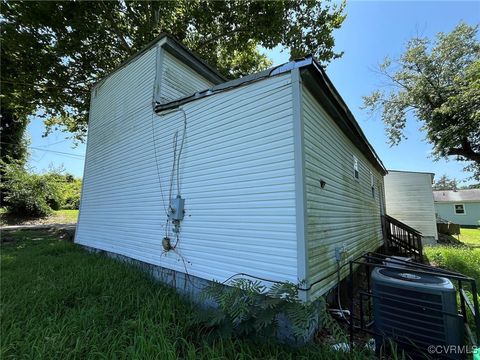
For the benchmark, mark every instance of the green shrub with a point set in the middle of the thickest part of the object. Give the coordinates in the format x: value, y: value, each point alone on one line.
x: 26, y: 195
x: 68, y: 195
x: 71, y: 194
x: 35, y: 195
x: 249, y: 309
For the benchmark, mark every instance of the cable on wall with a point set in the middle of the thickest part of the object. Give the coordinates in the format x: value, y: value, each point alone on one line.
x: 174, y: 211
x: 181, y: 148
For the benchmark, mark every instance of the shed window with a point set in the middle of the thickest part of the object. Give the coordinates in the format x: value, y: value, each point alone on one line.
x: 355, y: 167
x: 459, y: 209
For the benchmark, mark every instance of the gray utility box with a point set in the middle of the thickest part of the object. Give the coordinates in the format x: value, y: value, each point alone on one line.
x: 417, y: 310
x: 177, y: 208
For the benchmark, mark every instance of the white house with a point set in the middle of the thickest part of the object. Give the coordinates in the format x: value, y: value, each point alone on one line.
x: 458, y: 206
x: 409, y: 198
x: 267, y: 175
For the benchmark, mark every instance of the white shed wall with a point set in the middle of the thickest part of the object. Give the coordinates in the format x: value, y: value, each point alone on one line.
x: 178, y: 80
x: 344, y: 212
x: 409, y: 198
x: 237, y: 177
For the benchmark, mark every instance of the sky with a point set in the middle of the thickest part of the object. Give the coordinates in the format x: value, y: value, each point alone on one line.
x: 371, y: 31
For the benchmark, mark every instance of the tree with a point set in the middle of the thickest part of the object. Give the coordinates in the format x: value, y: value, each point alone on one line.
x: 57, y: 50
x: 445, y: 183
x: 471, y: 186
x: 439, y: 81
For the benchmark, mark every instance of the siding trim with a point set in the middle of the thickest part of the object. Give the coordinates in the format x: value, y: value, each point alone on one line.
x: 300, y: 193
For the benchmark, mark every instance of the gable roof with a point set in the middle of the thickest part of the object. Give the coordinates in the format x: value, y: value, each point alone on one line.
x: 322, y: 88
x: 177, y: 49
x: 469, y: 195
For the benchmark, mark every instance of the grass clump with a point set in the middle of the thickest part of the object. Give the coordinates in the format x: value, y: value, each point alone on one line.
x: 461, y: 259
x: 58, y: 301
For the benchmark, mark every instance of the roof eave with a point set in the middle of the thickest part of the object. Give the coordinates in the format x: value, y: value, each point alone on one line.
x: 329, y: 97
x: 326, y: 94
x: 177, y: 49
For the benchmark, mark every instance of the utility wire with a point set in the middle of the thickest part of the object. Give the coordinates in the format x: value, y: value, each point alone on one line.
x: 181, y: 148
x: 57, y: 152
x: 158, y: 168
x: 48, y: 150
x: 175, y: 138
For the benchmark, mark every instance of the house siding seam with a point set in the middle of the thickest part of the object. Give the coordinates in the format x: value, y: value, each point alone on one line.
x: 300, y: 202
x: 344, y: 212
x: 410, y: 200
x: 237, y: 176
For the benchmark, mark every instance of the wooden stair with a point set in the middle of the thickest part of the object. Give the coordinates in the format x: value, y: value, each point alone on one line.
x: 401, y: 239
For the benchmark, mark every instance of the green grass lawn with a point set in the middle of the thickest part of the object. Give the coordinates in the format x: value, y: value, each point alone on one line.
x: 470, y: 236
x: 57, y: 217
x: 60, y: 302
x: 464, y: 259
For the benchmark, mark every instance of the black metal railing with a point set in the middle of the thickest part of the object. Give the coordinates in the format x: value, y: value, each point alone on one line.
x: 401, y: 239
x: 361, y: 297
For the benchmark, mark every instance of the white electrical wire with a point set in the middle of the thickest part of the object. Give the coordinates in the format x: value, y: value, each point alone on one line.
x: 338, y: 294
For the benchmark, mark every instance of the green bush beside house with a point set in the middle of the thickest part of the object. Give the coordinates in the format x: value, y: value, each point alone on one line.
x: 27, y: 194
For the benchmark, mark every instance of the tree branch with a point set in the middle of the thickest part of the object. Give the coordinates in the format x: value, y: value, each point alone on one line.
x: 203, y: 43
x: 115, y: 28
x: 466, y: 151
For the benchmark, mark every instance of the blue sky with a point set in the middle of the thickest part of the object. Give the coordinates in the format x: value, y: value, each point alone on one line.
x: 371, y: 31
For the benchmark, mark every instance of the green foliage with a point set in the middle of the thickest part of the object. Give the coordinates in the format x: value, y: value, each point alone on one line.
x: 35, y: 195
x: 248, y: 308
x: 329, y: 323
x: 471, y: 186
x: 462, y: 259
x: 76, y: 43
x: 27, y: 194
x: 68, y: 197
x: 445, y: 183
x: 59, y: 301
x: 439, y: 81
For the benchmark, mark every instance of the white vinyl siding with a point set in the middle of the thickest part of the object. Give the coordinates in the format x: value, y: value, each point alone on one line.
x: 343, y: 212
x: 409, y: 198
x: 236, y: 173
x: 178, y: 80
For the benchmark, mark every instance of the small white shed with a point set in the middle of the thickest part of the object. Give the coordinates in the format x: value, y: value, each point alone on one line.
x: 272, y: 171
x: 409, y: 198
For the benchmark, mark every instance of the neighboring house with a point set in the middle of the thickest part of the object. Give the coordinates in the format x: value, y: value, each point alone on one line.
x: 458, y: 206
x: 275, y: 173
x: 409, y: 198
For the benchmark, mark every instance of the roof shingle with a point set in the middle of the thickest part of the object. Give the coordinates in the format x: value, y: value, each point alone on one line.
x: 456, y: 195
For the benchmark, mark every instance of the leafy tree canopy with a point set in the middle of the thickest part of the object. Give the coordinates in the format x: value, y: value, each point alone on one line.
x: 445, y: 183
x: 439, y: 82
x: 52, y: 52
